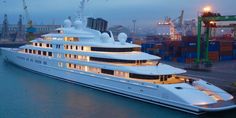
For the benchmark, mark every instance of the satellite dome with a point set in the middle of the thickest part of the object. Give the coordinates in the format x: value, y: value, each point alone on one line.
x: 78, y: 24
x: 67, y: 23
x: 122, y: 37
x: 105, y: 37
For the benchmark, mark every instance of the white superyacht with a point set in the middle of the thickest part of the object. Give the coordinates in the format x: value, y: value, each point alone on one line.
x: 85, y: 56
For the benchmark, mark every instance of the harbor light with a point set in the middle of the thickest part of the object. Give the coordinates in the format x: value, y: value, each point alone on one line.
x: 207, y: 9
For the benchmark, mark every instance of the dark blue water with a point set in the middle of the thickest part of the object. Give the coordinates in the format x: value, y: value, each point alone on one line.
x: 24, y: 94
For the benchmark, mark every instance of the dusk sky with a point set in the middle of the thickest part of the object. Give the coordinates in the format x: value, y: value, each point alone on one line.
x: 147, y: 12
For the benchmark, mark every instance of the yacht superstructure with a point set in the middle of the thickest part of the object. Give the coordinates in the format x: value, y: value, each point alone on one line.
x: 85, y: 56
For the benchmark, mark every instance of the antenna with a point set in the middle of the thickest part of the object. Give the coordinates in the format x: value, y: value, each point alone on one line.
x: 80, y: 13
x: 134, y: 25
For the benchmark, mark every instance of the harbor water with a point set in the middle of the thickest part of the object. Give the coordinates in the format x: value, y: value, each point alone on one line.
x: 24, y: 94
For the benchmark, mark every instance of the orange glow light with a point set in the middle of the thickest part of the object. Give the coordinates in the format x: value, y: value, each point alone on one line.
x: 207, y: 9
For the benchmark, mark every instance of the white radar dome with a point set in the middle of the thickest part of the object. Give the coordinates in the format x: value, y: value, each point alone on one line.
x: 105, y: 37
x: 67, y: 23
x: 78, y: 24
x: 122, y: 37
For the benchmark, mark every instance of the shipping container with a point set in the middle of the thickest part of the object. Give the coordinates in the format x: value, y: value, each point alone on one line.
x: 225, y: 58
x: 234, y: 45
x: 167, y: 58
x: 234, y: 54
x: 190, y: 44
x: 181, y: 59
x: 226, y: 48
x: 189, y: 60
x: 190, y: 55
x: 226, y: 43
x: 189, y: 49
x: 138, y: 42
x: 214, y: 56
x: 214, y: 46
x: 226, y: 53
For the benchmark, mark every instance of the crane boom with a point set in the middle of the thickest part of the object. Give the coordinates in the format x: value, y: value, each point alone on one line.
x: 30, y: 29
x: 25, y: 7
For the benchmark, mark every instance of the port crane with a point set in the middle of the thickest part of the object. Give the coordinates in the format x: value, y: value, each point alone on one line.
x: 30, y: 29
x: 209, y: 20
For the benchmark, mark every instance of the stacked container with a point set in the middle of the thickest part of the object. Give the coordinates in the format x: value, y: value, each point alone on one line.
x: 226, y: 49
x: 189, y: 51
x: 234, y: 50
x: 214, y: 47
x: 138, y: 42
x: 186, y: 51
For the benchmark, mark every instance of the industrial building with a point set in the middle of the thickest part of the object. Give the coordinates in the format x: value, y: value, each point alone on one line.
x: 17, y: 32
x: 97, y: 24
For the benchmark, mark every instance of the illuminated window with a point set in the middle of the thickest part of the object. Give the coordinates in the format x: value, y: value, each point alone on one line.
x: 75, y: 56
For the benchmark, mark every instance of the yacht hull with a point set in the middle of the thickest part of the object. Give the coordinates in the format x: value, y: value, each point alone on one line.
x: 147, y: 92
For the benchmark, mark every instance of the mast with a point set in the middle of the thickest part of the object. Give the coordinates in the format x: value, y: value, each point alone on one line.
x: 80, y: 14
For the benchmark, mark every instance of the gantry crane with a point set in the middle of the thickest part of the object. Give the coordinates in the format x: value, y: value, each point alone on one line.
x: 30, y: 29
x: 208, y: 18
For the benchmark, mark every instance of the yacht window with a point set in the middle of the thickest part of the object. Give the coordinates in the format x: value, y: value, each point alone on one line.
x: 30, y: 51
x: 34, y: 52
x: 111, y: 60
x: 48, y: 45
x: 69, y: 65
x: 36, y: 44
x: 51, y: 45
x: 44, y: 53
x: 82, y: 47
x: 105, y: 71
x: 26, y: 50
x: 75, y: 56
x: 111, y: 49
x: 165, y: 77
x: 139, y: 76
x: 50, y: 54
x: 66, y: 47
x: 39, y: 52
x: 40, y: 44
x: 162, y: 78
